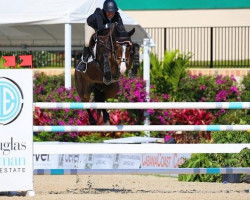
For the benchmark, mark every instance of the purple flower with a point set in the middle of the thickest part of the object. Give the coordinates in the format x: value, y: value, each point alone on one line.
x: 193, y: 76
x: 77, y: 98
x: 60, y: 90
x: 234, y: 89
x: 71, y: 121
x: 161, y: 119
x: 219, y: 81
x: 233, y: 78
x: 67, y: 110
x: 221, y: 96
x: 203, y: 87
x: 166, y: 113
x: 39, y: 90
x: 220, y: 112
x: 166, y: 96
x: 151, y: 111
x: 167, y: 138
x: 61, y: 122
x: 203, y: 99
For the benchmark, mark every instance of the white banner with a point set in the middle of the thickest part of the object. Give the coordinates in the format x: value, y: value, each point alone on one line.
x: 16, y: 129
x: 72, y: 161
x: 163, y: 160
x: 102, y: 161
x: 127, y: 161
x: 45, y: 161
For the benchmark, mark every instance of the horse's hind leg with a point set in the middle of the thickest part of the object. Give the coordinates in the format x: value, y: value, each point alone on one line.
x: 100, y: 97
x: 92, y: 120
x: 105, y: 117
x: 83, y: 89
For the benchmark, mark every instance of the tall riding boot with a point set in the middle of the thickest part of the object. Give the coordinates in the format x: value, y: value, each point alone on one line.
x: 136, y: 61
x: 82, y: 66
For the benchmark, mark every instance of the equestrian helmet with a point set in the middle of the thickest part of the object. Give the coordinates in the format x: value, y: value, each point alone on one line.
x: 110, y: 6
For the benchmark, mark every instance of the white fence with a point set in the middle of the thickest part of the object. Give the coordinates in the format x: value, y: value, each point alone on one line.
x: 83, y: 148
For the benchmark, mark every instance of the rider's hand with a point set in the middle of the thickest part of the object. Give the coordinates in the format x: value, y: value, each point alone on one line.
x: 108, y: 25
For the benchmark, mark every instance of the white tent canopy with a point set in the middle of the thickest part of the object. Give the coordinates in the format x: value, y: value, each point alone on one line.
x: 28, y: 23
x: 51, y: 25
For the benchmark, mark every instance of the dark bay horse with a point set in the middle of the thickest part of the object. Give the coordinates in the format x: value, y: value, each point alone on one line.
x: 109, y: 48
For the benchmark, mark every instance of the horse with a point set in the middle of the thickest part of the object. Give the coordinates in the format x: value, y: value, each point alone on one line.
x: 109, y: 48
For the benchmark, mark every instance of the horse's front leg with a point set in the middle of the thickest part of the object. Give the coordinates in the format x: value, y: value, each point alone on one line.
x: 100, y: 97
x: 109, y: 91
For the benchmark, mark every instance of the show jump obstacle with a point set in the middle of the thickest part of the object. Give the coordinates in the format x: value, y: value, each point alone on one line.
x: 17, y: 147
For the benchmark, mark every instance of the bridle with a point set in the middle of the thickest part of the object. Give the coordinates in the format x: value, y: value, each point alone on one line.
x: 107, y: 42
x: 124, y: 45
x: 109, y: 45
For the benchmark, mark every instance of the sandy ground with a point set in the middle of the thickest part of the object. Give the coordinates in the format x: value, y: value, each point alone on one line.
x: 131, y: 187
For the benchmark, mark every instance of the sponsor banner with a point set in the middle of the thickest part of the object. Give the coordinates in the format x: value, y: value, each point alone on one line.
x: 45, y: 161
x: 162, y: 160
x: 102, y: 161
x: 16, y: 129
x: 109, y: 161
x: 127, y: 161
x: 72, y: 161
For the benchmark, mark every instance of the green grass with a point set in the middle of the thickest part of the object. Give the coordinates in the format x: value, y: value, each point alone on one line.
x: 221, y: 64
x: 159, y: 175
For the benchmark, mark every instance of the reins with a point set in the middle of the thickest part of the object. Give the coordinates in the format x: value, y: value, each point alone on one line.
x: 110, y: 47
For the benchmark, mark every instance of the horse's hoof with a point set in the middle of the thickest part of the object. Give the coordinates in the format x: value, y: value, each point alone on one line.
x: 93, y: 123
x: 106, y: 123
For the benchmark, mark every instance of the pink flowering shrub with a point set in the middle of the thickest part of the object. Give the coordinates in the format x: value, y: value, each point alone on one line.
x: 208, y: 89
x: 51, y: 89
x: 192, y: 88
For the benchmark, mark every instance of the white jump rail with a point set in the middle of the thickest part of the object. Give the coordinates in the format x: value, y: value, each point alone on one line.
x: 86, y: 148
x: 142, y: 171
x: 130, y: 128
x: 144, y: 105
x: 102, y: 148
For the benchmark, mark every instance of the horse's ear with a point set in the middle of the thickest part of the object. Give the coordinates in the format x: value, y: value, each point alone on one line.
x: 131, y: 32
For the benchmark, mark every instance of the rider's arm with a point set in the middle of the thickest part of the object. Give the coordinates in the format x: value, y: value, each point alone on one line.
x: 99, y: 22
x: 96, y: 20
x: 120, y: 23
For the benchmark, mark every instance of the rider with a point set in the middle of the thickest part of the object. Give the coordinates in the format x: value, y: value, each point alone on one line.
x: 100, y: 19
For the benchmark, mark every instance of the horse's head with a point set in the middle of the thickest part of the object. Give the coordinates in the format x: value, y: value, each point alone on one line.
x: 123, y: 49
x: 114, y: 47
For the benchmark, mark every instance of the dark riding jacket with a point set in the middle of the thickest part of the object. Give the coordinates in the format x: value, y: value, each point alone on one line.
x: 98, y: 20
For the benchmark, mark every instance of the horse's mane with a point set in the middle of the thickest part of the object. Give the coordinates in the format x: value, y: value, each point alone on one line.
x: 120, y: 34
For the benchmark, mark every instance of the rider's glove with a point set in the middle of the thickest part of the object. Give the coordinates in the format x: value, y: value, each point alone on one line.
x: 108, y: 25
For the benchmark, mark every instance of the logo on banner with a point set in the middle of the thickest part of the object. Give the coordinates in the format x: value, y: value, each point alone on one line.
x: 11, y: 100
